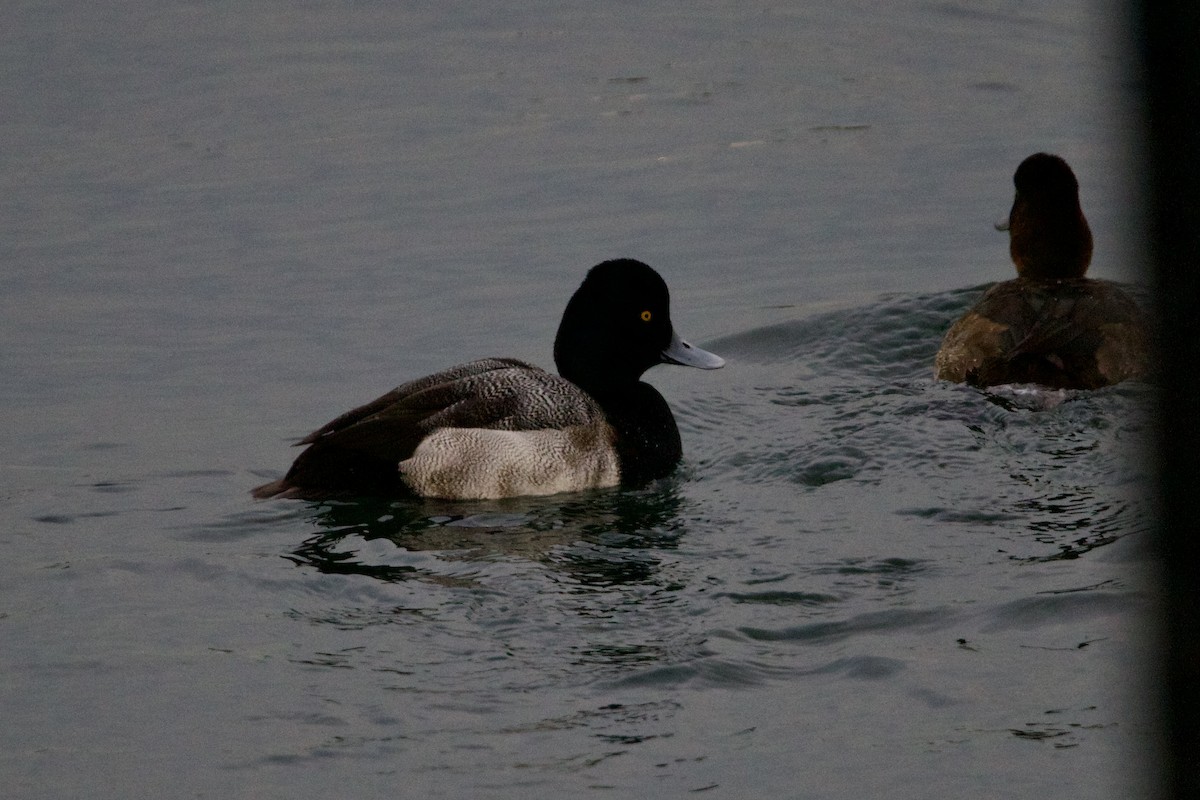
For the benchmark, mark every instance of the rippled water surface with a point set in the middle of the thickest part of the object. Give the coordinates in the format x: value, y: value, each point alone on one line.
x: 225, y: 225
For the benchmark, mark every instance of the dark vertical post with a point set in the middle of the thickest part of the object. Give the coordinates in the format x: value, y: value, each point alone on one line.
x: 1170, y: 50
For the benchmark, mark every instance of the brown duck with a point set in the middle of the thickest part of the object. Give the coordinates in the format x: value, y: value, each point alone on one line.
x: 1051, y: 325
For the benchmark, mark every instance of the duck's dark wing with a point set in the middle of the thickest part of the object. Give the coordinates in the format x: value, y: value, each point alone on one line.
x: 1074, y: 334
x: 360, y: 450
x: 404, y: 393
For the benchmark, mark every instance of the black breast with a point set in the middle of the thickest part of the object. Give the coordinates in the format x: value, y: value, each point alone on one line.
x: 647, y: 439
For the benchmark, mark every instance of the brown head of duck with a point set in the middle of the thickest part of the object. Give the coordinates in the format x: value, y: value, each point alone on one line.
x: 1049, y: 238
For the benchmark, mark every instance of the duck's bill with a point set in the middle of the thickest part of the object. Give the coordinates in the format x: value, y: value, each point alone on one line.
x: 686, y: 355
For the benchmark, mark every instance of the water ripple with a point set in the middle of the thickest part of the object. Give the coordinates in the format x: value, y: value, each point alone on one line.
x: 823, y: 632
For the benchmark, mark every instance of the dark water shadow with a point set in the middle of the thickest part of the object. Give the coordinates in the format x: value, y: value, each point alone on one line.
x: 597, y: 538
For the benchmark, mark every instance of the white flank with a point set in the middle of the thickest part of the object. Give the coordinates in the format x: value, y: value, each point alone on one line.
x: 481, y: 464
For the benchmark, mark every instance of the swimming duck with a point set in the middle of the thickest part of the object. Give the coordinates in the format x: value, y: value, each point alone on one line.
x: 499, y: 427
x: 1051, y: 325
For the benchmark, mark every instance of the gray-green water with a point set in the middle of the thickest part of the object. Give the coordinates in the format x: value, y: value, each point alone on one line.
x: 224, y: 224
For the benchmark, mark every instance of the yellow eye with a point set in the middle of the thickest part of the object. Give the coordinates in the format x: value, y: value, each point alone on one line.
x: 646, y: 316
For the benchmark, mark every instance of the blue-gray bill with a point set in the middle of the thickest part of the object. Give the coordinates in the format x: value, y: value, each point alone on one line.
x: 686, y: 355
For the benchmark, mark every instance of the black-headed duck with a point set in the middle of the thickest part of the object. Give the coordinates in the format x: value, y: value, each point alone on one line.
x: 499, y: 427
x: 1051, y: 325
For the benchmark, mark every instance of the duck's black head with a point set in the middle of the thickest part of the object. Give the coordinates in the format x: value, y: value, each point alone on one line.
x: 617, y: 325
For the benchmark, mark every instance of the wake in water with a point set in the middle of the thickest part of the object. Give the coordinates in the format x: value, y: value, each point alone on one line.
x: 850, y: 396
